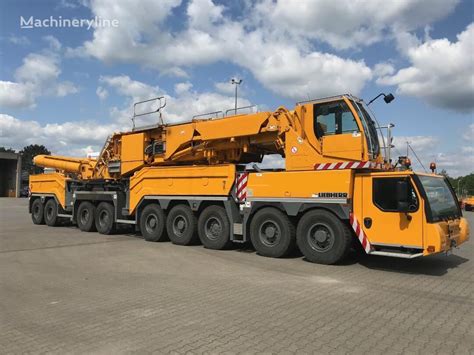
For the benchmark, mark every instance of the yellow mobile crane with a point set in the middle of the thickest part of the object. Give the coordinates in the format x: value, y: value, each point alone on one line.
x: 191, y: 181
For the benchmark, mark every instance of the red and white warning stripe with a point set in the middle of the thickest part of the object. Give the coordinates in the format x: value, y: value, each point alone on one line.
x: 241, y: 186
x: 348, y: 165
x: 360, y: 233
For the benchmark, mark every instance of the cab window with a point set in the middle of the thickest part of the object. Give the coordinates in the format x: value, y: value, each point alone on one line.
x: 333, y: 118
x: 385, y: 194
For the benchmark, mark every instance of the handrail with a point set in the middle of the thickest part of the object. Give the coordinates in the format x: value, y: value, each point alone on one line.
x: 239, y: 108
x: 162, y: 104
x: 207, y: 114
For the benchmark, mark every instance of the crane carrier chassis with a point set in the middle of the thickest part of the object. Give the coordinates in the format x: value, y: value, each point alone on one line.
x: 190, y: 183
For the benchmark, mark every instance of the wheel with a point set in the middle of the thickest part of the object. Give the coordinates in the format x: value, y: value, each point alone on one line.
x: 152, y: 223
x: 181, y: 225
x: 51, y: 213
x: 214, y: 228
x: 322, y: 237
x: 104, y: 218
x: 85, y: 217
x: 272, y: 233
x: 37, y: 214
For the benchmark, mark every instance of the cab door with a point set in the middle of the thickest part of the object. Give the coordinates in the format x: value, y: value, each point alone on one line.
x: 338, y: 131
x: 382, y: 222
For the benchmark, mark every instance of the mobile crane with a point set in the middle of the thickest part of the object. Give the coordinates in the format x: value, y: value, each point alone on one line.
x: 190, y: 182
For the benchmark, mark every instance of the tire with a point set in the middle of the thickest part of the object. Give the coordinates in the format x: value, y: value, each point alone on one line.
x: 181, y: 225
x: 37, y: 211
x: 272, y: 233
x: 214, y: 228
x: 51, y: 213
x: 152, y: 223
x: 322, y: 237
x: 104, y: 218
x: 86, y: 216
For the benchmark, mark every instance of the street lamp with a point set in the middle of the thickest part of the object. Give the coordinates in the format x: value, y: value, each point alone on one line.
x: 236, y: 83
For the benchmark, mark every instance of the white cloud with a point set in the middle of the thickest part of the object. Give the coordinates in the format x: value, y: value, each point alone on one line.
x: 455, y: 162
x: 19, y: 40
x: 68, y: 138
x: 383, y: 69
x: 209, y: 36
x: 16, y: 95
x: 346, y: 23
x: 225, y: 87
x: 181, y: 107
x: 37, y: 76
x: 469, y: 134
x: 102, y: 93
x: 181, y: 88
x: 441, y: 72
x: 203, y: 13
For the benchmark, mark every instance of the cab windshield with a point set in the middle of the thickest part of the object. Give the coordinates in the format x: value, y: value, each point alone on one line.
x: 440, y: 198
x: 369, y: 128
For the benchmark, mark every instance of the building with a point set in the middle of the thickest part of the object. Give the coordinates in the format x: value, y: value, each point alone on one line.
x: 10, y: 174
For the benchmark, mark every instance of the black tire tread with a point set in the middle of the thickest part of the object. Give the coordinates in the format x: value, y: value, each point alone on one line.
x: 223, y: 243
x: 336, y: 254
x: 54, y: 221
x: 192, y: 237
x: 161, y: 236
x: 89, y: 227
x: 111, y: 228
x: 39, y: 219
x: 288, y: 230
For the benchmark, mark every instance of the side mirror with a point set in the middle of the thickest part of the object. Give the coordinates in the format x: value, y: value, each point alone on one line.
x: 402, y: 196
x: 389, y: 98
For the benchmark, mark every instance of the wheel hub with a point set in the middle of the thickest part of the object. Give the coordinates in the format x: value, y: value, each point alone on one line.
x: 213, y: 228
x: 269, y: 233
x: 179, y: 225
x: 320, y: 237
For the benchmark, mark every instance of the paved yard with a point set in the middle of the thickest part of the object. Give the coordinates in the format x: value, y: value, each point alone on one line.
x: 62, y: 290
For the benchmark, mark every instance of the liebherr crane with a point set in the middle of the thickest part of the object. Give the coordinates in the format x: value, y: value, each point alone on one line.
x: 190, y: 182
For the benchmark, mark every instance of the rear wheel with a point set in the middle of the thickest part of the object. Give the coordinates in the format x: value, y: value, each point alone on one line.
x: 181, y: 225
x: 152, y: 223
x: 51, y: 213
x: 104, y: 218
x: 85, y: 217
x: 214, y: 228
x: 37, y: 211
x: 322, y: 237
x: 272, y: 233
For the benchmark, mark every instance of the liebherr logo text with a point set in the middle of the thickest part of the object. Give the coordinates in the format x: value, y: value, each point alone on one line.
x: 60, y: 22
x: 333, y: 194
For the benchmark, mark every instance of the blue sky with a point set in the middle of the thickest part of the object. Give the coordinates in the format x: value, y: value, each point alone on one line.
x: 68, y: 88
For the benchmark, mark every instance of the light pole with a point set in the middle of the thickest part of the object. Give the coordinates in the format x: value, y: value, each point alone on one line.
x: 236, y: 83
x: 459, y: 191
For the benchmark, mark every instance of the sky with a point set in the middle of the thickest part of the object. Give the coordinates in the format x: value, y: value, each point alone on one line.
x: 69, y: 86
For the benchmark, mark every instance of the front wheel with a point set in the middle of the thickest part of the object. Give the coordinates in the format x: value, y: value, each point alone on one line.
x: 214, y: 228
x: 322, y: 237
x: 104, y: 218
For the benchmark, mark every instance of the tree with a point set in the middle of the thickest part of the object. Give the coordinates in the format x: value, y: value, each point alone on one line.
x: 6, y: 150
x: 28, y: 153
x: 464, y: 185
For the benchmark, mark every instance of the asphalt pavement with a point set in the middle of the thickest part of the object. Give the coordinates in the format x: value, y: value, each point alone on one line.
x: 66, y: 291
